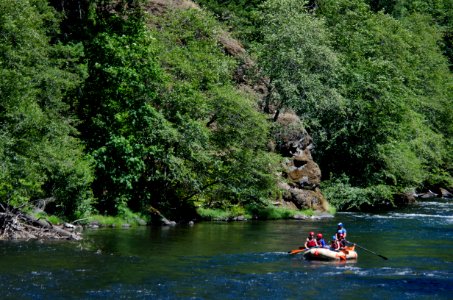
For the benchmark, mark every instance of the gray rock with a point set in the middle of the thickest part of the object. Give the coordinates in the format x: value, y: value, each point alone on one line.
x: 167, y: 222
x: 140, y: 222
x: 300, y: 217
x: 69, y: 225
x: 445, y: 193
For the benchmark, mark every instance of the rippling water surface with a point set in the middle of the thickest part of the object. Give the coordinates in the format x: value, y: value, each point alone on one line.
x: 245, y: 260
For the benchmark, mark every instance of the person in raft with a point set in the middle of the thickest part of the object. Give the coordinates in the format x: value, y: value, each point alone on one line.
x: 341, y: 230
x: 311, y: 241
x: 320, y: 241
x: 342, y: 241
x: 334, y: 245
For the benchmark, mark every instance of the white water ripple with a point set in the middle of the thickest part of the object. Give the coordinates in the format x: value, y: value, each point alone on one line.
x: 448, y: 218
x: 386, y: 272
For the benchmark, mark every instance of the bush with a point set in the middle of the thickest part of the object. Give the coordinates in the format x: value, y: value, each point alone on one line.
x: 343, y: 196
x: 276, y: 213
x: 214, y: 214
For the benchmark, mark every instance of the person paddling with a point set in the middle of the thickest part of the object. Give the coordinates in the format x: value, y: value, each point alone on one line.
x: 320, y: 241
x: 310, y: 242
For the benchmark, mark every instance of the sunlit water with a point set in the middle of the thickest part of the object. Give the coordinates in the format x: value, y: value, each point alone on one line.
x: 246, y: 260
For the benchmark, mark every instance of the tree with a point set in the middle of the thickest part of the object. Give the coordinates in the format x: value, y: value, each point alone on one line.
x: 40, y: 153
x: 391, y: 69
x: 241, y: 16
x: 163, y: 122
x: 296, y: 57
x: 440, y: 11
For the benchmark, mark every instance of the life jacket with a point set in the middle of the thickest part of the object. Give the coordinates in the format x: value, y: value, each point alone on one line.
x: 334, y: 245
x: 311, y: 243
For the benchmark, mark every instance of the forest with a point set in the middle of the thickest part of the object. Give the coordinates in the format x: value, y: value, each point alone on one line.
x: 126, y: 108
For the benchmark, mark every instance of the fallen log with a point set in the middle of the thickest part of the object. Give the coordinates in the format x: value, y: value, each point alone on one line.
x: 161, y: 217
x: 15, y: 224
x: 49, y: 226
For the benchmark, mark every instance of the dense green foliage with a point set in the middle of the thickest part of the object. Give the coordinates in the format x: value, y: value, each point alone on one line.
x: 40, y: 155
x: 241, y: 16
x: 398, y: 126
x: 164, y: 123
x: 302, y: 68
x: 100, y: 98
x: 371, y: 83
x: 441, y: 11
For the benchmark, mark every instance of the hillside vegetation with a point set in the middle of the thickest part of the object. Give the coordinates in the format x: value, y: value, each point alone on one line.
x: 122, y: 107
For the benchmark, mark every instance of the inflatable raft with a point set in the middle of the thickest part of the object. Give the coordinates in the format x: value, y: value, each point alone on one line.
x: 327, y: 254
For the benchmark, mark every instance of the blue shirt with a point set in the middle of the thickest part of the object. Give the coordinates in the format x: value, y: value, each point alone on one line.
x: 341, y: 231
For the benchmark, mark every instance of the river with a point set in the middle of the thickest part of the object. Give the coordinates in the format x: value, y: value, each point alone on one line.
x: 242, y: 260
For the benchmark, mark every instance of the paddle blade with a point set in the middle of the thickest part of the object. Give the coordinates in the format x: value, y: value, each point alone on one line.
x: 296, y: 251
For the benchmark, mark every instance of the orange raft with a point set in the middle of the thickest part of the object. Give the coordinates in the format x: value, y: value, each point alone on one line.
x: 327, y: 254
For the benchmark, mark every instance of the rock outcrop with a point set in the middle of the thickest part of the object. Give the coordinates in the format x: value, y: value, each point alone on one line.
x: 301, y: 175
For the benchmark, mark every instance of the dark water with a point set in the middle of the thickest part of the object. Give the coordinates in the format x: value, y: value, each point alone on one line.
x: 246, y: 260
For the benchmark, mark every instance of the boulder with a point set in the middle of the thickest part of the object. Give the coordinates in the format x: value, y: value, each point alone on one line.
x: 300, y: 217
x: 300, y: 198
x: 240, y: 218
x: 405, y: 199
x: 445, y: 193
x: 306, y: 175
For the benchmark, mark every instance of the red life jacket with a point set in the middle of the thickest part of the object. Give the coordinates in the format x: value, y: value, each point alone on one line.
x: 334, y: 245
x: 311, y: 243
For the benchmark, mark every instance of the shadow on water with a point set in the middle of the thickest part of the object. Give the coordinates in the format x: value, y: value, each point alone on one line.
x: 245, y: 260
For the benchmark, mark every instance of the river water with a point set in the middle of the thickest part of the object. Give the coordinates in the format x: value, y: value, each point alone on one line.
x: 242, y: 260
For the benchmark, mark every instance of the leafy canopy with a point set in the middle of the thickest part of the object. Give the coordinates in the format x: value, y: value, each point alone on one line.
x: 164, y: 123
x: 40, y: 155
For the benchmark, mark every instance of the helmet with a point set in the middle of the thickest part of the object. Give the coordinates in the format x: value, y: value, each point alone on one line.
x: 340, y: 224
x: 334, y: 237
x: 311, y: 233
x: 319, y: 235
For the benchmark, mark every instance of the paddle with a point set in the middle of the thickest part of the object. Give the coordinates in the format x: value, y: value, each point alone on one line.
x: 381, y: 256
x: 296, y: 251
x: 301, y: 249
